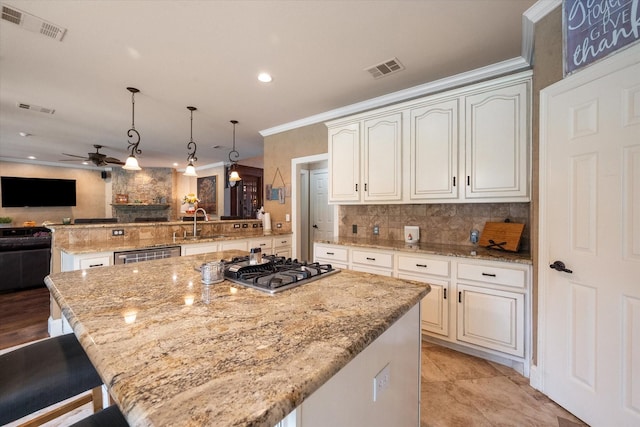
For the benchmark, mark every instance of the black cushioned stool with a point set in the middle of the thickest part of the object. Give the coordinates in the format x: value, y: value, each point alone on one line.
x: 41, y: 374
x: 109, y: 417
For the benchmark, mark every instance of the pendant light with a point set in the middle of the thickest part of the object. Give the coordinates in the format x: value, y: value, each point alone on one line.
x: 132, y: 162
x: 233, y: 176
x: 191, y: 170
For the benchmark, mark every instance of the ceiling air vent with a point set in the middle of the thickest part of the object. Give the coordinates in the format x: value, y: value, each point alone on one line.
x: 33, y: 23
x: 385, y: 68
x: 36, y: 108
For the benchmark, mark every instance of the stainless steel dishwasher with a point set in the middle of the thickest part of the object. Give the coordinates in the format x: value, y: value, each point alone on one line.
x: 138, y: 255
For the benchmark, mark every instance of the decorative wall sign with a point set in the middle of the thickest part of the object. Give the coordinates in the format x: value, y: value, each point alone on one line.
x: 594, y: 29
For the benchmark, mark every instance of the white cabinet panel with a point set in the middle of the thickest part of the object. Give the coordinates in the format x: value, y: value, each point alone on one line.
x: 331, y: 253
x: 265, y: 245
x: 344, y: 163
x: 70, y: 262
x: 496, y: 135
x: 199, y: 248
x: 434, y: 307
x: 425, y: 265
x: 493, y: 273
x: 382, y: 151
x: 434, y: 151
x: 234, y: 244
x: 491, y: 318
x: 372, y: 259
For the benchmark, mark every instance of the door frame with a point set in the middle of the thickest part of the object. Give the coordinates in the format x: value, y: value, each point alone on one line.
x: 297, y: 165
x: 623, y: 59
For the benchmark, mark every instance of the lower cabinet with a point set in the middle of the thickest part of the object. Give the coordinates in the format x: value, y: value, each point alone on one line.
x: 199, y: 248
x: 479, y: 304
x: 72, y: 262
x: 491, y: 318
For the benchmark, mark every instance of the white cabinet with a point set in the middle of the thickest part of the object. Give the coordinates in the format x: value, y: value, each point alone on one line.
x: 228, y: 245
x: 344, y: 163
x: 466, y: 145
x: 433, y: 152
x: 370, y: 261
x: 496, y: 143
x: 282, y: 246
x: 72, y: 262
x: 491, y: 318
x: 382, y: 161
x: 366, y: 167
x: 337, y: 256
x: 199, y: 248
x: 491, y: 305
x: 435, y: 306
x: 264, y: 243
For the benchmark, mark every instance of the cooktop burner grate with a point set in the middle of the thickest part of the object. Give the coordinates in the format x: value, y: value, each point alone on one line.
x: 275, y: 274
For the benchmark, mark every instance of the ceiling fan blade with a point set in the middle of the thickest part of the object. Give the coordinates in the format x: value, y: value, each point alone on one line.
x: 113, y: 160
x: 73, y: 155
x: 73, y: 160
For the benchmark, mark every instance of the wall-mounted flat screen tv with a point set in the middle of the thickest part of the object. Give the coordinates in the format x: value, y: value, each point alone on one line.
x: 20, y: 192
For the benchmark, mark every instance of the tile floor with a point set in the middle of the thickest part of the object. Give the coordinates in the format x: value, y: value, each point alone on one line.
x: 462, y: 390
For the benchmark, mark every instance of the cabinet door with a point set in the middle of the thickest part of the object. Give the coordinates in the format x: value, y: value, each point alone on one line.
x: 434, y: 151
x: 344, y: 163
x: 382, y: 158
x: 496, y: 135
x: 240, y: 245
x: 491, y: 318
x: 434, y: 307
x: 202, y: 248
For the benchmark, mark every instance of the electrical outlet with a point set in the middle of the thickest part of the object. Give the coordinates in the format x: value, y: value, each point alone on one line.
x: 117, y: 232
x: 245, y: 225
x: 279, y: 225
x: 236, y: 225
x: 381, y: 382
x: 255, y: 225
x: 376, y: 230
x: 354, y: 229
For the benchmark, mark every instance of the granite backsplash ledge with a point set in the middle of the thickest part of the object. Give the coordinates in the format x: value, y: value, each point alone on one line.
x: 444, y: 223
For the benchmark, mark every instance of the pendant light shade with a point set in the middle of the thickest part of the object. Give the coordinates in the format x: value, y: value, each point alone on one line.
x: 190, y: 169
x: 132, y: 162
x: 234, y: 177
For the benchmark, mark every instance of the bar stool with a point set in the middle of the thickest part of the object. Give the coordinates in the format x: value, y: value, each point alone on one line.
x: 41, y: 374
x: 109, y: 417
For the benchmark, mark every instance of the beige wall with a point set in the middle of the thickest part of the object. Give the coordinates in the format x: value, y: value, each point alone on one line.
x: 279, y: 149
x: 547, y: 69
x: 90, y: 193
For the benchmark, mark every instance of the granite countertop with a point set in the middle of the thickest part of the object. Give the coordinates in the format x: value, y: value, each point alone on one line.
x: 83, y: 247
x: 247, y: 358
x: 434, y: 249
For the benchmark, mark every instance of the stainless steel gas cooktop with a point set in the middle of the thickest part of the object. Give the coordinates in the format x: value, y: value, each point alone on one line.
x: 275, y: 274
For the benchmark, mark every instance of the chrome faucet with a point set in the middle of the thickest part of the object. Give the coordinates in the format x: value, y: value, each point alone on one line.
x: 195, y: 220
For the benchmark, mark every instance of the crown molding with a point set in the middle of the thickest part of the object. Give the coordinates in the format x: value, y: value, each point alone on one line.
x: 494, y: 70
x: 54, y: 164
x: 529, y: 19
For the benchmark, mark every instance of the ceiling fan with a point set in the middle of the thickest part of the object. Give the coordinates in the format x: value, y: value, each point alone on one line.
x: 97, y: 158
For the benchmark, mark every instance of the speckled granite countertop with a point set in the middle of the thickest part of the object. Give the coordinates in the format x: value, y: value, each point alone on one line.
x: 83, y: 247
x: 434, y: 249
x: 245, y: 359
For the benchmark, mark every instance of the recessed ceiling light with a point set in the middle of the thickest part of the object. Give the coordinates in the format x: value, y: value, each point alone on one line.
x: 24, y: 134
x: 175, y: 164
x: 31, y: 157
x: 264, y: 77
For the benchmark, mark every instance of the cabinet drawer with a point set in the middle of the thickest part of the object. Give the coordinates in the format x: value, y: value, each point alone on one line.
x: 333, y: 253
x: 281, y: 241
x: 264, y: 244
x: 377, y: 259
x: 423, y: 265
x: 101, y: 261
x: 493, y: 274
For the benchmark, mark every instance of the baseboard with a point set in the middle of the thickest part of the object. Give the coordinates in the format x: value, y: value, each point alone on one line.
x: 535, y: 377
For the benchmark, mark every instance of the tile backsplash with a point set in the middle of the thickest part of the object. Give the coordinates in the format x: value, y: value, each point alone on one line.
x: 439, y: 223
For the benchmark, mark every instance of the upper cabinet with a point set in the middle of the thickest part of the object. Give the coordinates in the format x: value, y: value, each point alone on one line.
x: 496, y: 143
x: 367, y: 166
x: 467, y: 145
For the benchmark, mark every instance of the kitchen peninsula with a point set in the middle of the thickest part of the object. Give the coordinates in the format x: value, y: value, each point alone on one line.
x: 175, y: 352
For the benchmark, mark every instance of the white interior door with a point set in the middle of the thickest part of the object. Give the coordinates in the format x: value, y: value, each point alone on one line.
x: 589, y: 334
x: 321, y: 211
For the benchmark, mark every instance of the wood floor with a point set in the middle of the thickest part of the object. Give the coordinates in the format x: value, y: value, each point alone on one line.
x: 23, y: 316
x: 457, y: 389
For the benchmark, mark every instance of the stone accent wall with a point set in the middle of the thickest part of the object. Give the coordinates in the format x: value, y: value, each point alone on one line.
x: 439, y: 223
x: 148, y: 186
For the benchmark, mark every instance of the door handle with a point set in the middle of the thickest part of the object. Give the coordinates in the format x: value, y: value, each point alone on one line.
x: 559, y: 265
x: 315, y: 225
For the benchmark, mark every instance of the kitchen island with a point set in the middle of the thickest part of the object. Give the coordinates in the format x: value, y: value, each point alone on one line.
x: 175, y: 352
